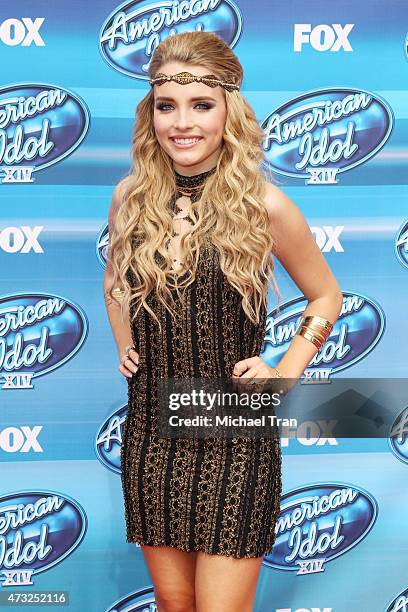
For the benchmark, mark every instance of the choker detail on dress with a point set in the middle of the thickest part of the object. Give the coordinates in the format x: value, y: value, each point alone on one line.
x: 191, y: 186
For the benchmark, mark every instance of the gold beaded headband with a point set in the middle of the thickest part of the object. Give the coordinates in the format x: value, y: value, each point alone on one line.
x: 186, y: 77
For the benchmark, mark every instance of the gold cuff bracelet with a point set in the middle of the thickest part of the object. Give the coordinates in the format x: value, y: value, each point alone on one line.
x: 315, y: 329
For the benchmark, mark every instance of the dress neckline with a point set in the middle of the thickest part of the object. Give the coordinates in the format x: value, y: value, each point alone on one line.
x: 191, y: 187
x: 194, y: 179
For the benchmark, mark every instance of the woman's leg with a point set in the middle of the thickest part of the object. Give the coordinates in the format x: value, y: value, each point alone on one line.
x: 225, y: 584
x: 173, y: 573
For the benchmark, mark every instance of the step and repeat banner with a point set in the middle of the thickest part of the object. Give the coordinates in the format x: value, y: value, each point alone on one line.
x: 328, y: 82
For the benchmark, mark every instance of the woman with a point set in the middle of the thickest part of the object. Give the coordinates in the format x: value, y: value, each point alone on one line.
x: 192, y: 229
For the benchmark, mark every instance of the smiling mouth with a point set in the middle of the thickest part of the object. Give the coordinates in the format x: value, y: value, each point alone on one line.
x: 186, y: 142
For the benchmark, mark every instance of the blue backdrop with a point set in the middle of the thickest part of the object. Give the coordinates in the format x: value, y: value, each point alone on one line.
x: 328, y: 85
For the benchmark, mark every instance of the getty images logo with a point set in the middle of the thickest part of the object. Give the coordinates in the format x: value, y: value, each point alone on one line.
x: 322, y: 37
x: 24, y: 32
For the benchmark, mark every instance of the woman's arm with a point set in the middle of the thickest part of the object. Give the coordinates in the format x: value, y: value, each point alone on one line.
x: 299, y: 254
x: 120, y: 328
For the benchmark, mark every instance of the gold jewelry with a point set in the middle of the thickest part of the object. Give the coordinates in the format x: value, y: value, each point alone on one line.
x: 315, y: 319
x: 278, y: 375
x: 183, y: 78
x: 315, y: 329
x: 119, y: 293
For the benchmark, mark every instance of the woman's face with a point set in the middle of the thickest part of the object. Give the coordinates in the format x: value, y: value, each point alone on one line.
x: 194, y: 111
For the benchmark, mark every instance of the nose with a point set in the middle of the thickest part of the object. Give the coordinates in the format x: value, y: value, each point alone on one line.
x: 182, y: 120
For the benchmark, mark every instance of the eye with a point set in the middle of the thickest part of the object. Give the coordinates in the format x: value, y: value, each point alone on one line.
x: 162, y: 106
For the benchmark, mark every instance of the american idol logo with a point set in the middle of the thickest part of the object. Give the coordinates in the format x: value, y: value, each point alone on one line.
x: 398, y: 437
x: 318, y: 523
x: 142, y: 600
x: 38, y: 333
x: 401, y: 244
x: 40, y: 125
x: 109, y: 440
x: 358, y: 329
x: 325, y: 132
x: 132, y: 31
x: 399, y: 603
x: 102, y: 245
x: 38, y: 529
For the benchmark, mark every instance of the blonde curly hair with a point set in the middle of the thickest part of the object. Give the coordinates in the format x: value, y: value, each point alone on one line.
x: 230, y: 208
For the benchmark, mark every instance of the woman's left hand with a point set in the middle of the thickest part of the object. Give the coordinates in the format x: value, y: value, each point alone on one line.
x: 253, y: 367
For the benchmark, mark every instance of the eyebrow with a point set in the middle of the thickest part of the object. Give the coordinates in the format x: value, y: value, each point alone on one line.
x: 191, y: 99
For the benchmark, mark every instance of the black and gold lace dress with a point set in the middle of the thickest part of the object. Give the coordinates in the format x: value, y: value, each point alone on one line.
x: 219, y: 496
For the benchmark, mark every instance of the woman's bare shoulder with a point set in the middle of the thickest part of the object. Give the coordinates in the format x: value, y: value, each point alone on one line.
x: 282, y: 212
x: 116, y: 201
x: 118, y: 194
x: 277, y: 203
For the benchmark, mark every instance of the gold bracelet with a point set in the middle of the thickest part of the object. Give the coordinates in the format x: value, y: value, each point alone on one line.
x: 316, y: 322
x: 118, y: 293
x: 315, y: 329
x: 312, y: 330
x: 317, y: 341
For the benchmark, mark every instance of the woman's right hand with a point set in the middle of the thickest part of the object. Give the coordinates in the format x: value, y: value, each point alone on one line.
x: 129, y: 362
